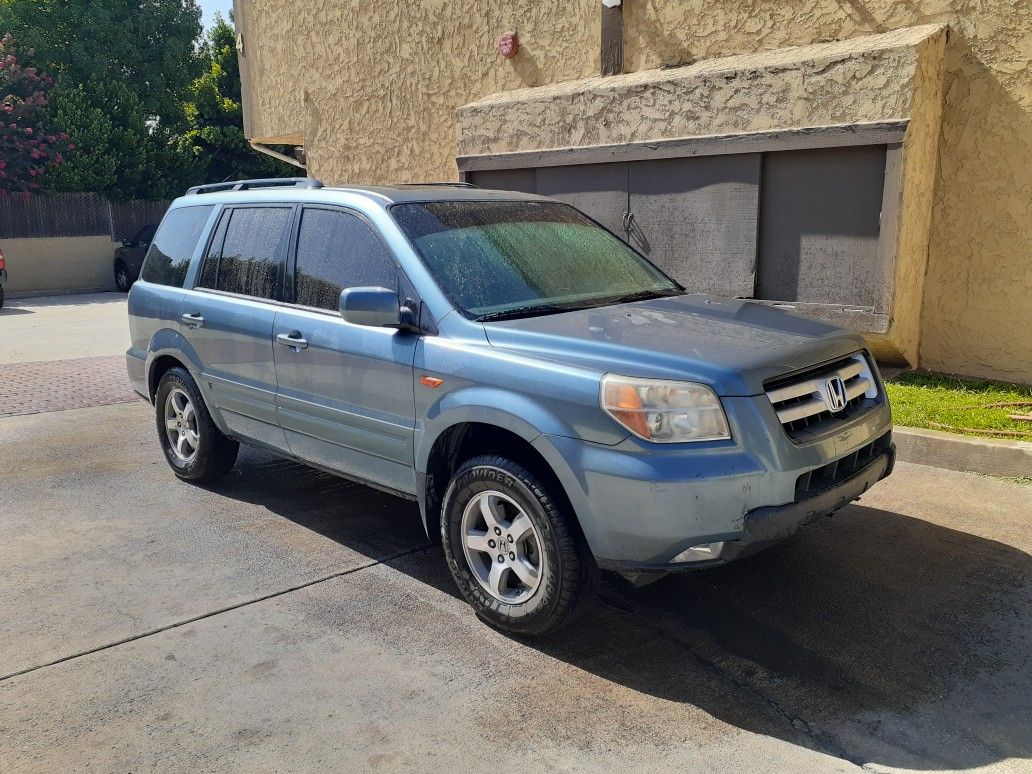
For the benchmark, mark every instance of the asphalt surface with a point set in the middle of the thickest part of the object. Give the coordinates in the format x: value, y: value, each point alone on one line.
x: 286, y: 619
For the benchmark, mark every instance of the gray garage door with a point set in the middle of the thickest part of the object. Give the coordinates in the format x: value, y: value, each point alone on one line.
x: 783, y: 226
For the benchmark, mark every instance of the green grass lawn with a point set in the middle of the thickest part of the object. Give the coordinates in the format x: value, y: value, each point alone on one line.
x: 959, y: 405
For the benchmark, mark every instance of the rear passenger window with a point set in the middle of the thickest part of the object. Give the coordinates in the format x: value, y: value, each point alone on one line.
x: 209, y: 276
x: 169, y: 255
x: 337, y: 250
x: 252, y: 252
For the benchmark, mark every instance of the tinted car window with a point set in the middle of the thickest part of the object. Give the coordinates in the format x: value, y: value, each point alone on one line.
x: 145, y: 234
x: 337, y: 250
x: 253, y: 251
x: 169, y: 255
x: 209, y: 275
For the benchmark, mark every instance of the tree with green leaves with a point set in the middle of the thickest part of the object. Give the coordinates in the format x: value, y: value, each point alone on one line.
x: 27, y: 150
x: 123, y: 70
x: 121, y: 153
x: 151, y: 106
x: 214, y: 117
x: 147, y: 46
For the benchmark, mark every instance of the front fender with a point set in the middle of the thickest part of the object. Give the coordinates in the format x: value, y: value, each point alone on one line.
x: 510, y: 411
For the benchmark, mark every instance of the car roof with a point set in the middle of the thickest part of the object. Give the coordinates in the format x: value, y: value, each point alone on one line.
x: 383, y: 196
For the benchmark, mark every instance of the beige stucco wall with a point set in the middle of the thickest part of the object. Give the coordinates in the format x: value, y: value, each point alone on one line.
x: 372, y: 90
x: 59, y: 264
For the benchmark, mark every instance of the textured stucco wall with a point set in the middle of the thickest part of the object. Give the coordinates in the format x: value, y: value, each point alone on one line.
x: 372, y: 89
x: 59, y: 264
x: 867, y: 79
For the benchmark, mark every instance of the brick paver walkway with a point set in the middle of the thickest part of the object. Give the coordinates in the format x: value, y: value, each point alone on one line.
x: 56, y: 385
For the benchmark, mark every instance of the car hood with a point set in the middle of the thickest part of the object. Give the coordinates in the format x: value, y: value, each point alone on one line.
x: 730, y: 344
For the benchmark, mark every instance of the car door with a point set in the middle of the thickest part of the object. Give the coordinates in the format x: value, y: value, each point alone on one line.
x: 345, y: 393
x: 228, y: 316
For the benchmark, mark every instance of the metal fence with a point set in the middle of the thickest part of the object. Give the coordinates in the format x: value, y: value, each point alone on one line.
x: 75, y: 214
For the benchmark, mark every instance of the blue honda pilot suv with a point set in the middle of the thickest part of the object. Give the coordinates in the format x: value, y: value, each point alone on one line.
x: 554, y: 402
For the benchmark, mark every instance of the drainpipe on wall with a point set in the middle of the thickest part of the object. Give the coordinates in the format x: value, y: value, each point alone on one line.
x: 612, y: 37
x: 276, y: 154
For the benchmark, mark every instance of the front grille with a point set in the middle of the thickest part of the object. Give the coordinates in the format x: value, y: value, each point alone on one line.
x: 817, y: 480
x: 803, y: 401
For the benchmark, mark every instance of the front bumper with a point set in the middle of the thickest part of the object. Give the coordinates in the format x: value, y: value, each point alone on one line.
x: 767, y: 526
x: 643, y: 505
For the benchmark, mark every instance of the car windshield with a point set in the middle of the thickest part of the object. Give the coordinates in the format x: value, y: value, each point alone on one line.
x: 506, y: 259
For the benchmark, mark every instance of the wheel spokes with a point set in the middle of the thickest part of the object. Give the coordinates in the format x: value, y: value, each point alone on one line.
x: 520, y: 528
x: 491, y: 511
x: 477, y: 541
x: 496, y: 578
x: 525, y: 571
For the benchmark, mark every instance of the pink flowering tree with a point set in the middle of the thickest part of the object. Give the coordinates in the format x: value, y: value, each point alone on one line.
x: 27, y: 149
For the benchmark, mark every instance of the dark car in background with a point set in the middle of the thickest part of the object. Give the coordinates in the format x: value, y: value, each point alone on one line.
x: 129, y: 257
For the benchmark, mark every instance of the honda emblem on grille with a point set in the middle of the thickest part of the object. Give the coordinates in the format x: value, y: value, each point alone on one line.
x: 835, y: 393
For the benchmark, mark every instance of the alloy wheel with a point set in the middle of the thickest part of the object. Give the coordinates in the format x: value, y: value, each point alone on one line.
x: 181, y: 425
x: 502, y: 547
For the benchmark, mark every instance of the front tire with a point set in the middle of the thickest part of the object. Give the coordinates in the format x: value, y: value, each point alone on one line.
x: 195, y: 448
x: 122, y: 279
x: 514, y: 548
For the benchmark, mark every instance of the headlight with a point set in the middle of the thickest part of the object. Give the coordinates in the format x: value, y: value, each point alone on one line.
x: 664, y: 411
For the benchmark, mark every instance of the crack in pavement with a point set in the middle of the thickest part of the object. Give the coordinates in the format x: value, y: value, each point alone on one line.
x: 218, y: 611
x: 822, y: 741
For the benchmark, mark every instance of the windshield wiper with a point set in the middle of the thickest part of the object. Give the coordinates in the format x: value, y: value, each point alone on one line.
x: 641, y: 295
x: 529, y: 310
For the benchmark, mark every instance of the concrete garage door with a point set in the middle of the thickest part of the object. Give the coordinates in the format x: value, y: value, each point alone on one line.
x: 788, y: 226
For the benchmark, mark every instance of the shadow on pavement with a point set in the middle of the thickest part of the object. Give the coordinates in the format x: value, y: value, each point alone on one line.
x: 7, y: 310
x: 872, y: 636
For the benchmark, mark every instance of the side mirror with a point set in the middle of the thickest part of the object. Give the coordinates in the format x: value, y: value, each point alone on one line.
x: 375, y: 308
x: 128, y: 243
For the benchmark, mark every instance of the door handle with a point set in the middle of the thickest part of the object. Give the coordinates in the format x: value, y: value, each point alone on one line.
x: 294, y: 340
x: 194, y: 320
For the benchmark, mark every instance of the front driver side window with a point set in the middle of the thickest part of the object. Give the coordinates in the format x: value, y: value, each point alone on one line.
x: 337, y: 250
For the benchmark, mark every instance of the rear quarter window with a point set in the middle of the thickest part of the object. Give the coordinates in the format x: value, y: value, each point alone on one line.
x: 174, y: 242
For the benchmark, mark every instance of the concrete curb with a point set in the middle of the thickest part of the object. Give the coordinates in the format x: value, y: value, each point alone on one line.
x: 960, y: 452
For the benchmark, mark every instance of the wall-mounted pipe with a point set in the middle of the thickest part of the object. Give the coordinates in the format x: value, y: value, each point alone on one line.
x: 276, y: 154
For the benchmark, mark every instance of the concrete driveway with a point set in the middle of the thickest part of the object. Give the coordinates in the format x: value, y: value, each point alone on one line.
x: 285, y: 619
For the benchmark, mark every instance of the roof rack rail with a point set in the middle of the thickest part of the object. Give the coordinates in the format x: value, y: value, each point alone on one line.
x: 445, y: 184
x: 247, y: 185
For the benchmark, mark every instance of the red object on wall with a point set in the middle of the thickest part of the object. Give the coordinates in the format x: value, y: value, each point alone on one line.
x: 508, y: 45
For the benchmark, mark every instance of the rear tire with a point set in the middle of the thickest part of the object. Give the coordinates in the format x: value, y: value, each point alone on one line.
x: 195, y: 448
x: 122, y: 279
x: 539, y: 575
